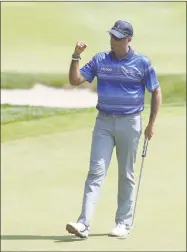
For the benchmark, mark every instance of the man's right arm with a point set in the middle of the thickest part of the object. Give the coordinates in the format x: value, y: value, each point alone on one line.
x: 75, y: 77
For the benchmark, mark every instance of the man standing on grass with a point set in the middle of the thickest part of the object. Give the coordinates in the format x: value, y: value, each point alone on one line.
x: 122, y: 76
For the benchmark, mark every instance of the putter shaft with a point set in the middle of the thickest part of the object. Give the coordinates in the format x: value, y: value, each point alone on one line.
x: 144, y: 152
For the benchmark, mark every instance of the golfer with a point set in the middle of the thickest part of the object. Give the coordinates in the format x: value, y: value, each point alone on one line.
x: 122, y: 77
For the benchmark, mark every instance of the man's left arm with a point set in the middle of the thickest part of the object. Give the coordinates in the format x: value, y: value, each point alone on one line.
x: 153, y: 86
x: 156, y: 100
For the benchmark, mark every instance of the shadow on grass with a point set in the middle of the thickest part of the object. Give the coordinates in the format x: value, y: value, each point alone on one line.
x: 64, y: 238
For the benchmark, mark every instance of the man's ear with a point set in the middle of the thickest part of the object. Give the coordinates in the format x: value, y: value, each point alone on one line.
x: 129, y: 39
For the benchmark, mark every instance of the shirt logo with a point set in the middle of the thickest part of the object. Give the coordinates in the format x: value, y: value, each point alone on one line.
x: 106, y: 69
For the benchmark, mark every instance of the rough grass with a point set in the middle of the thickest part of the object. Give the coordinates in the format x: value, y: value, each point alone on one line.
x: 12, y: 114
x: 44, y: 163
x: 28, y: 80
x: 41, y: 120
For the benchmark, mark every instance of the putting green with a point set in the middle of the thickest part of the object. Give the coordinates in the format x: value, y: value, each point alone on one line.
x: 43, y: 178
x: 40, y: 37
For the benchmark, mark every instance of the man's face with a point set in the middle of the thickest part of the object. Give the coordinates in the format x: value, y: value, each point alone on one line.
x: 118, y: 45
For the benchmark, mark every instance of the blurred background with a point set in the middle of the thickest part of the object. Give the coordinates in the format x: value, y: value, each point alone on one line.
x: 38, y: 40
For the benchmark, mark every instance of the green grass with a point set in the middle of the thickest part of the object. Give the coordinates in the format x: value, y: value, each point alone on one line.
x: 20, y: 80
x: 14, y: 118
x: 41, y: 120
x: 44, y: 164
x: 12, y: 114
x: 40, y: 37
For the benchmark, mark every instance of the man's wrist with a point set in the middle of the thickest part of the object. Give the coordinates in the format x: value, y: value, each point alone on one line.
x: 76, y: 53
x: 76, y: 56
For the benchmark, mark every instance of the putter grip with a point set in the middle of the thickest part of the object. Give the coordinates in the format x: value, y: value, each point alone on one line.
x: 144, y: 152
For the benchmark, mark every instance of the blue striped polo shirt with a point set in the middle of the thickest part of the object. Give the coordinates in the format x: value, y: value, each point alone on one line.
x: 121, y: 83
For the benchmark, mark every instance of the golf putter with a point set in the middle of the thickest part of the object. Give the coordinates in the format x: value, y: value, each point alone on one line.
x: 144, y: 152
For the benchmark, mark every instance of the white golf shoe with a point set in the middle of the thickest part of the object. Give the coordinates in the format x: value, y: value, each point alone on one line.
x: 120, y: 231
x: 77, y: 229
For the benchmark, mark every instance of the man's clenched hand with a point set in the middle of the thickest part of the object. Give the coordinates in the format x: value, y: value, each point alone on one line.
x: 79, y: 48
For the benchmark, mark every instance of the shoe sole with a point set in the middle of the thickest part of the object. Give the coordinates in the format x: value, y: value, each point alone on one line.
x: 119, y: 236
x: 72, y: 230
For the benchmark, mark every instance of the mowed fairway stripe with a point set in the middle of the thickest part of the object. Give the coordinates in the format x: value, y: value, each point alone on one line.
x: 42, y: 185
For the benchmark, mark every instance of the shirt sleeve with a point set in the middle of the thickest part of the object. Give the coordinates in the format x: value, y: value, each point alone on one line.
x: 89, y: 70
x: 150, y: 78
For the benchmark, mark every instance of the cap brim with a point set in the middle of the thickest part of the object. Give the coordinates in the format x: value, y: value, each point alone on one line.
x: 117, y: 34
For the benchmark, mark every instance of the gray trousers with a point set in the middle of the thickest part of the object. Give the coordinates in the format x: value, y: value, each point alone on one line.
x: 122, y: 131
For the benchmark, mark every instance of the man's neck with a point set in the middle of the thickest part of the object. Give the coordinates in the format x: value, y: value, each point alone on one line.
x: 122, y: 55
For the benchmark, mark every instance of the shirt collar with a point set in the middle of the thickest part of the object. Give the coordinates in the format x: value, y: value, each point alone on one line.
x: 127, y: 57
